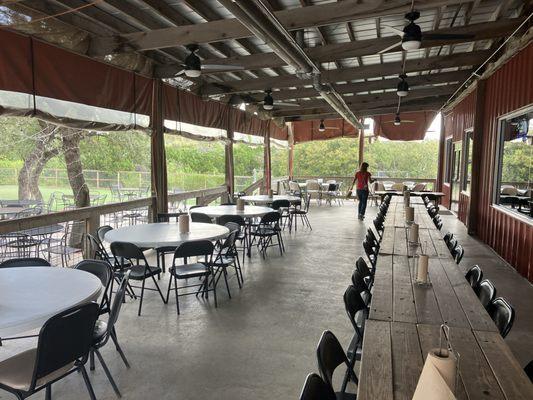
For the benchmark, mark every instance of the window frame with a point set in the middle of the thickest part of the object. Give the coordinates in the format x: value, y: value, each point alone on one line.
x: 448, y: 152
x: 498, y: 158
x: 468, y: 144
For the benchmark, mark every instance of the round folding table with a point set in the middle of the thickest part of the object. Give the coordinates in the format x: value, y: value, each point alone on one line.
x: 29, y: 296
x: 264, y: 199
x: 248, y: 212
x: 163, y: 234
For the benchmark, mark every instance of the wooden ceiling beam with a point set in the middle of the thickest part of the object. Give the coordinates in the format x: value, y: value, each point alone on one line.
x: 416, y: 106
x: 375, y: 99
x: 298, y: 18
x: 359, y: 48
x: 348, y: 74
x: 349, y: 88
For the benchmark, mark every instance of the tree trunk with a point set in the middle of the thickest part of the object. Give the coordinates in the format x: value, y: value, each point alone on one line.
x: 45, y: 148
x: 71, y: 149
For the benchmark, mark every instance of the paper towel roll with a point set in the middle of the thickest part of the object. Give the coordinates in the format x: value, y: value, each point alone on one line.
x: 409, y: 214
x: 422, y: 273
x: 240, y: 204
x: 437, y: 380
x: 413, y: 233
x: 183, y: 223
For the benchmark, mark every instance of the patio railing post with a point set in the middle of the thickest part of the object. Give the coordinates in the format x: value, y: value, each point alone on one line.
x: 229, y: 164
x: 267, y: 181
x: 159, y: 163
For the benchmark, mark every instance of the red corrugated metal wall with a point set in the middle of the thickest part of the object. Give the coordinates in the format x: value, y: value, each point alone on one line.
x: 508, y: 89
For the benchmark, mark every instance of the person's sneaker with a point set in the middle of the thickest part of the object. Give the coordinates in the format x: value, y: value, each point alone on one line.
x: 360, y: 217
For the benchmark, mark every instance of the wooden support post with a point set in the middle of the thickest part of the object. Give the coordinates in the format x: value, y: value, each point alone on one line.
x: 440, y: 162
x: 361, y: 146
x: 477, y: 155
x: 229, y: 165
x: 159, y: 162
x: 290, y: 139
x: 267, y: 181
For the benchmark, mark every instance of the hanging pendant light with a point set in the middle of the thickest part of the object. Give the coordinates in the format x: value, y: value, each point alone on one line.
x: 403, y: 86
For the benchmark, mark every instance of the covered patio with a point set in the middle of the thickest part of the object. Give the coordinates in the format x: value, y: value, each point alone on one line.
x: 284, y: 278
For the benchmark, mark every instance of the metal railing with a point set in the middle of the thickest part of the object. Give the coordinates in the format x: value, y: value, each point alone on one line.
x: 36, y: 238
x: 347, y: 180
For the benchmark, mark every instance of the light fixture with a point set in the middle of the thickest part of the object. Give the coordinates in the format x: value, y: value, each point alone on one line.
x: 397, y: 120
x: 412, y: 34
x: 321, y: 127
x: 268, y: 101
x: 403, y: 86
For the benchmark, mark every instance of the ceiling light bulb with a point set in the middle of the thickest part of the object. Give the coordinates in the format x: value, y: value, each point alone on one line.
x: 403, y: 88
x: 411, y: 44
x: 268, y: 107
x: 321, y: 127
x: 193, y: 73
x: 396, y: 123
x: 397, y: 120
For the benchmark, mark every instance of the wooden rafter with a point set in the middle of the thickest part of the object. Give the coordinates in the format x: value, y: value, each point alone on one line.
x: 293, y: 19
x: 364, y: 47
x: 348, y: 74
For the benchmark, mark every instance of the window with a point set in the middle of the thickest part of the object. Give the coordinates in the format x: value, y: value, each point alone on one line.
x: 515, y: 164
x: 467, y: 173
x: 449, y: 161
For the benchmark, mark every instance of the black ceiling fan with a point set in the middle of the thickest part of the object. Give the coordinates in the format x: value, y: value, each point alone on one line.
x: 269, y: 103
x: 322, y: 127
x: 193, y: 67
x: 412, y: 35
x: 398, y: 121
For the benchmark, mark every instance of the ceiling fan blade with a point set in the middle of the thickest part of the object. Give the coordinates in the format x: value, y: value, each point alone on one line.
x: 393, y: 30
x: 222, y: 67
x: 332, y: 127
x: 179, y: 72
x: 390, y: 47
x: 446, y: 36
x: 278, y: 103
x: 408, y: 121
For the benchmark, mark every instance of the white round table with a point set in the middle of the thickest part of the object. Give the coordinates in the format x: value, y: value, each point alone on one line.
x: 264, y: 199
x: 218, y: 211
x: 165, y: 234
x: 29, y: 296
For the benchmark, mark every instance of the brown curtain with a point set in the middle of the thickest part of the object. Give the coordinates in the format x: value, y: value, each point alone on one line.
x: 407, y: 131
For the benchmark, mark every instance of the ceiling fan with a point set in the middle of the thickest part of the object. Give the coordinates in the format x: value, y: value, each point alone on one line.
x: 193, y: 67
x: 322, y: 127
x: 398, y: 121
x: 412, y: 35
x: 269, y: 103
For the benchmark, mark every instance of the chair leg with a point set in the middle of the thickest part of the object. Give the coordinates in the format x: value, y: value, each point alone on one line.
x: 48, y: 392
x: 91, y: 360
x: 107, y: 373
x: 159, y: 290
x: 119, y: 349
x: 87, y: 382
x: 176, y: 292
x: 142, y: 296
x: 226, y: 280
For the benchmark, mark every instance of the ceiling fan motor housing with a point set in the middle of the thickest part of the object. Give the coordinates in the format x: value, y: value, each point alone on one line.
x: 412, y: 36
x: 193, y: 65
x: 268, y: 101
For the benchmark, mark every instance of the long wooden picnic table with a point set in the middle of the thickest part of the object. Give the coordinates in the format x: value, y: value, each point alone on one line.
x: 405, y: 319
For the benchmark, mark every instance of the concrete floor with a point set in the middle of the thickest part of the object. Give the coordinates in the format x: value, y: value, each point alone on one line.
x: 261, y: 343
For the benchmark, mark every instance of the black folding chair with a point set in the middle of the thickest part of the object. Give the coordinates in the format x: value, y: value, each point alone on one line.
x: 25, y: 262
x: 242, y: 236
x: 267, y: 229
x: 357, y: 314
x: 502, y: 313
x: 138, y: 272
x: 106, y: 330
x: 197, y: 248
x: 330, y: 355
x: 486, y: 292
x: 227, y: 257
x: 474, y: 276
x: 201, y: 217
x: 62, y: 348
x: 316, y: 389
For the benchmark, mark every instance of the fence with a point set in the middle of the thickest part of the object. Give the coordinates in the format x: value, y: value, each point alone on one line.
x: 102, y: 180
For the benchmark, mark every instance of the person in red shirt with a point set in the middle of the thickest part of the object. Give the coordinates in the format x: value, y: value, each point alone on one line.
x: 363, y: 179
